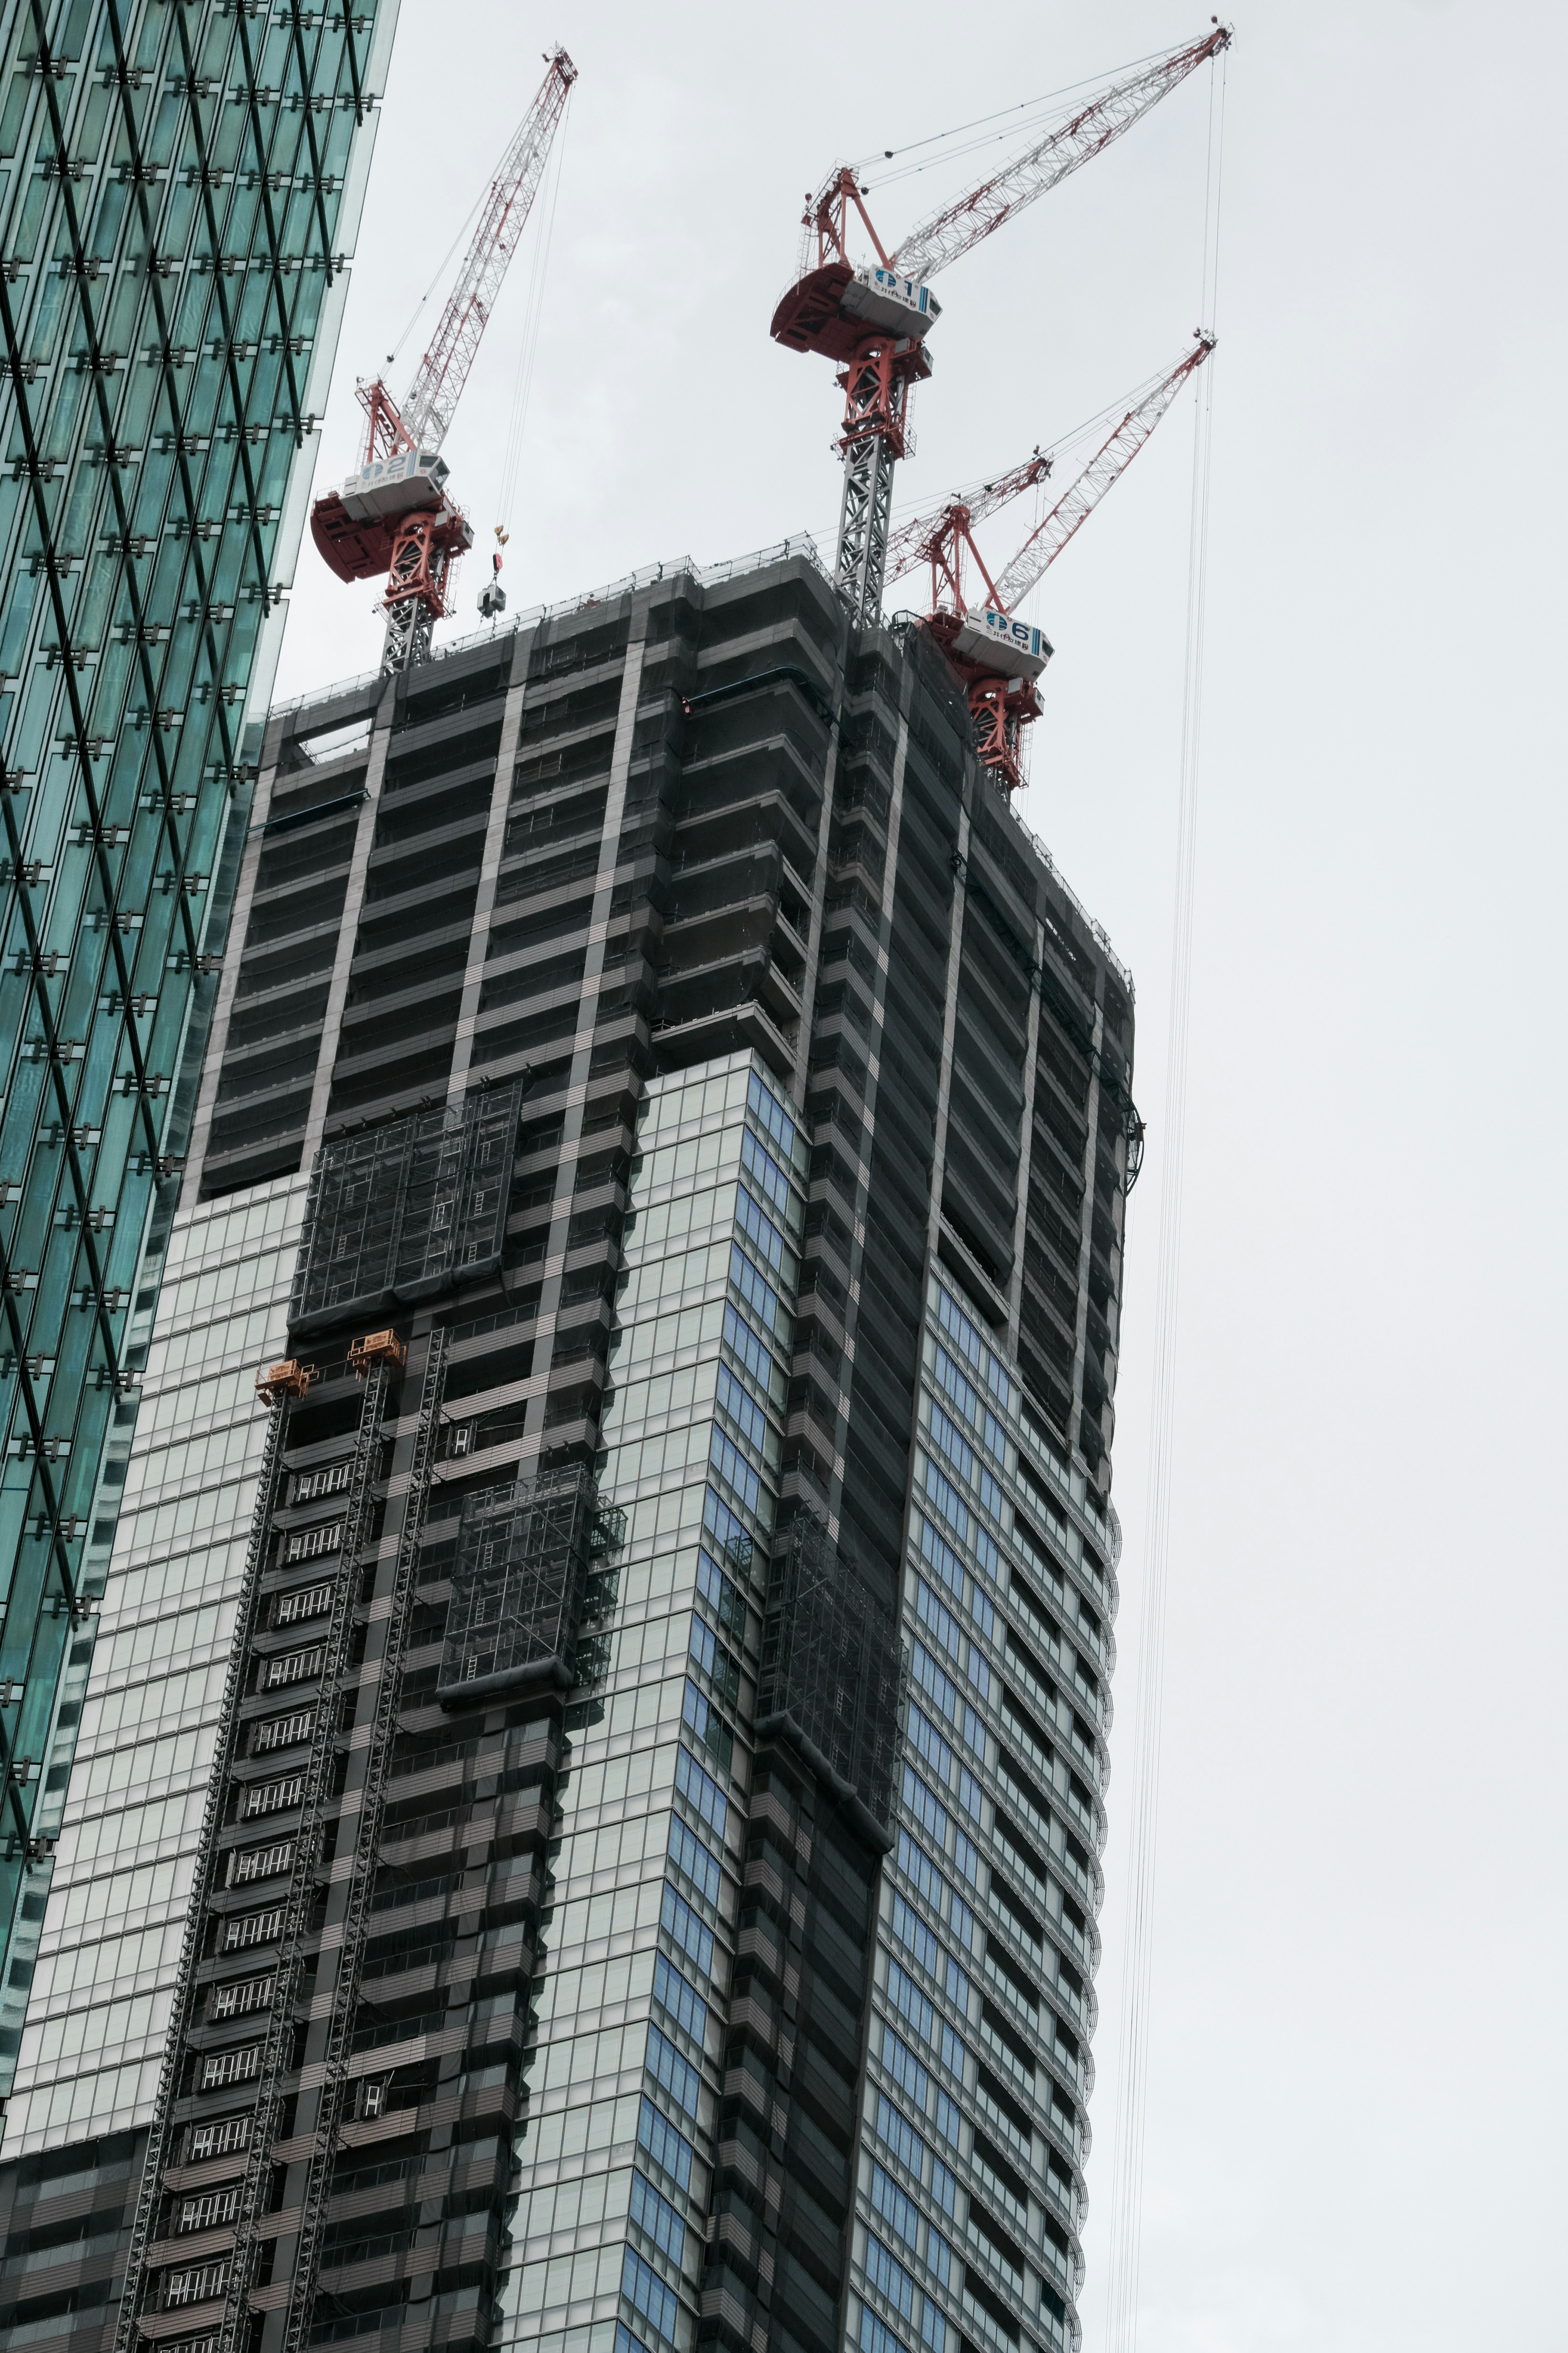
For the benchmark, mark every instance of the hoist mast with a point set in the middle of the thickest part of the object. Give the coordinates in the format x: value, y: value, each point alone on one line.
x: 393, y: 517
x: 872, y: 320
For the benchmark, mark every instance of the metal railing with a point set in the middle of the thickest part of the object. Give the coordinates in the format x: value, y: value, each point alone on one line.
x: 801, y: 544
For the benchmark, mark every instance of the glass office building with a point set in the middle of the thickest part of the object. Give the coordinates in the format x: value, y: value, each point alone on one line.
x: 148, y: 1700
x: 629, y: 1797
x: 179, y: 189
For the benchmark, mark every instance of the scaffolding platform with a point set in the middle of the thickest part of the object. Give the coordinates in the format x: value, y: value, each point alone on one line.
x: 832, y: 1681
x: 400, y: 1211
x: 518, y: 1582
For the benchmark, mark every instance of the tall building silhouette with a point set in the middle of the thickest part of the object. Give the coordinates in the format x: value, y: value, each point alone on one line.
x: 596, y: 1785
x: 179, y: 189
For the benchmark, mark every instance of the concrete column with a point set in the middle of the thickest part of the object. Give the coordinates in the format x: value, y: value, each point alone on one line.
x: 489, y: 868
x: 1025, y: 1150
x: 587, y: 1018
x: 348, y: 933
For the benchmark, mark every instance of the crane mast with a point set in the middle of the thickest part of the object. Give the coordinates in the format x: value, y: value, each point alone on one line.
x: 873, y: 320
x: 998, y: 656
x: 393, y: 517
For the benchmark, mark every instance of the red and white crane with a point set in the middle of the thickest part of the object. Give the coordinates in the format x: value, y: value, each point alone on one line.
x: 393, y: 519
x: 998, y: 656
x: 872, y: 320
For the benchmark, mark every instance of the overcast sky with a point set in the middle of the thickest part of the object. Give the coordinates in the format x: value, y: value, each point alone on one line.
x: 1359, y: 2067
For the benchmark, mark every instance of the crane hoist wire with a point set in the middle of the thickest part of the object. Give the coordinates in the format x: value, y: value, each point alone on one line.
x: 1131, y: 2107
x: 527, y: 349
x: 1048, y: 103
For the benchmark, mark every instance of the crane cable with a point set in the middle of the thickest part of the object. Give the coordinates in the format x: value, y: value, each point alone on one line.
x: 522, y: 383
x: 1131, y: 2108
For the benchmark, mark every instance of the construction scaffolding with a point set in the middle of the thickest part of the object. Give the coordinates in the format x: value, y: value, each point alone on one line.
x: 518, y: 1584
x: 399, y: 1211
x: 831, y: 1679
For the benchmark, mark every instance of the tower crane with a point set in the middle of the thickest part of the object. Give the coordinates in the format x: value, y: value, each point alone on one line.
x: 872, y: 320
x: 393, y: 519
x: 998, y: 656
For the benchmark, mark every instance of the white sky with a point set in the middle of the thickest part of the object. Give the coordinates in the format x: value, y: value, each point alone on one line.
x: 1359, y: 2063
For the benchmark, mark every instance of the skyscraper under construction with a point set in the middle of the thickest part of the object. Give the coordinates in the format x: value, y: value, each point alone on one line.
x: 585, y: 1823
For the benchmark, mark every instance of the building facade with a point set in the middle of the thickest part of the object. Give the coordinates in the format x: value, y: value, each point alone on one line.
x: 179, y: 188
x: 630, y: 1876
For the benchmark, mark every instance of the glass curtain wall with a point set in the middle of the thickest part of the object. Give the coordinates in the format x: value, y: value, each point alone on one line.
x: 970, y: 2192
x: 640, y: 1924
x: 147, y: 1693
x: 179, y: 188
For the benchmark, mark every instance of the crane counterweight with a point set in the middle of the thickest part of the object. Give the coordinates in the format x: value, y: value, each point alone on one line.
x: 393, y: 519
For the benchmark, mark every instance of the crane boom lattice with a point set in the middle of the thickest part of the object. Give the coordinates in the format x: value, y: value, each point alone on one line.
x: 923, y: 538
x: 1101, y: 118
x: 438, y: 380
x: 1110, y: 462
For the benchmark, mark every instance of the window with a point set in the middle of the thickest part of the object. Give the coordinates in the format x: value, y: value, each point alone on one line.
x: 253, y: 1928
x: 272, y: 1797
x: 911, y: 1930
x: 643, y: 2288
x: 956, y: 1447
x: 901, y: 2136
x: 680, y: 1922
x: 293, y: 1667
x: 658, y: 2217
x: 876, y: 2337
x: 951, y: 1380
x: 331, y: 1479
x: 905, y: 2069
x: 309, y: 1544
x: 759, y: 1229
x: 889, y: 2277
x: 236, y: 2000
x: 715, y: 1661
x: 961, y: 1332
x: 734, y: 1470
x: 899, y: 2212
x: 690, y: 1857
x: 740, y: 1337
x: 938, y: 1687
x: 682, y: 2000
x: 927, y: 1742
x: 764, y: 1172
x: 705, y: 1721
x: 770, y: 1114
x: 669, y: 2149
x: 283, y: 1731
x: 217, y: 2140
x: 306, y: 1602
x: 908, y: 2000
x: 675, y: 2075
x: 937, y: 1619
x: 702, y: 1791
x: 736, y: 1401
x: 923, y: 1804
x: 207, y: 2214
x: 730, y: 1534
x: 261, y: 1862
x: 918, y: 1867
x: 726, y: 1602
x: 230, y: 2066
x: 763, y: 1302
x: 939, y: 1554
